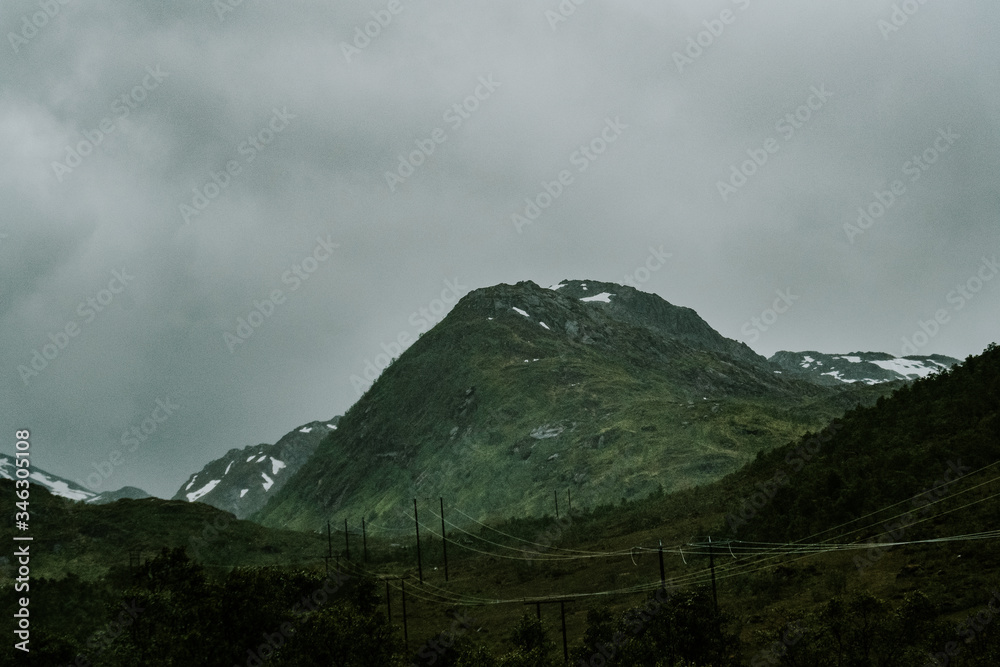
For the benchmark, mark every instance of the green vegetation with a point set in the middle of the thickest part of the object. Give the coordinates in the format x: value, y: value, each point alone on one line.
x: 606, y: 408
x: 919, y: 465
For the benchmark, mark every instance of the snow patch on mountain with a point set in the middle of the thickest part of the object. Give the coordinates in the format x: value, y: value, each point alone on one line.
x: 60, y: 488
x: 195, y: 495
x: 867, y: 367
x: 243, y: 478
x: 603, y: 296
x: 906, y: 367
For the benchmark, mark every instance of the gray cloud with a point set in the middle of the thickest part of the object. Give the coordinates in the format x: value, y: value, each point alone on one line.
x: 324, y: 175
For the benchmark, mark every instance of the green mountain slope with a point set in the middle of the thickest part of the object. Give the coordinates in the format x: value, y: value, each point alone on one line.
x: 910, y: 449
x: 521, y: 391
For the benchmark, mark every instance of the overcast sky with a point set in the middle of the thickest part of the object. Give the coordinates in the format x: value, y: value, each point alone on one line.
x: 176, y: 162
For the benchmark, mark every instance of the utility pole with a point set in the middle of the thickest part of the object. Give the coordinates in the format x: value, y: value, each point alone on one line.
x: 444, y: 540
x: 711, y: 562
x: 347, y: 542
x: 364, y: 538
x: 406, y: 635
x: 555, y: 494
x: 329, y: 550
x: 416, y: 522
x: 388, y: 602
x: 663, y: 576
x: 562, y: 610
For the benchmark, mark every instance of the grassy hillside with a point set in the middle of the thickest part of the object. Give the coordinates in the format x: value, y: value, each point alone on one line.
x: 490, y: 399
x: 877, y: 605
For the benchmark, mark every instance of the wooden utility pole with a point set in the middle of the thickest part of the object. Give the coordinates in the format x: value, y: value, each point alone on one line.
x: 416, y: 522
x: 711, y: 562
x: 555, y: 494
x: 388, y: 602
x: 364, y: 538
x: 406, y: 635
x: 329, y: 550
x: 444, y: 540
x: 347, y: 542
x: 562, y: 610
x: 663, y: 576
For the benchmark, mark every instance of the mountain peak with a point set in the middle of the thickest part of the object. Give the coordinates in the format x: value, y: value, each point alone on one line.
x: 551, y: 308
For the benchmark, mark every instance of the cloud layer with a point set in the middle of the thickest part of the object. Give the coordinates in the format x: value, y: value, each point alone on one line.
x: 204, y: 151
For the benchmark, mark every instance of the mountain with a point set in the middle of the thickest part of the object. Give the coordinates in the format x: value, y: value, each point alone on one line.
x: 631, y: 306
x: 587, y: 387
x: 867, y: 367
x: 64, y: 488
x: 942, y: 427
x: 241, y: 481
x: 52, y: 483
x: 130, y: 492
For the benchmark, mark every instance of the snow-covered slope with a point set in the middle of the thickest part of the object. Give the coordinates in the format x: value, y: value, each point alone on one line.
x: 53, y: 483
x: 64, y: 488
x: 242, y: 480
x: 867, y: 367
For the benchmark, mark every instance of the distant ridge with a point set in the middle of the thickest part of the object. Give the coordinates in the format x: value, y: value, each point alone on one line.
x: 867, y: 367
